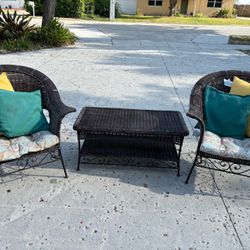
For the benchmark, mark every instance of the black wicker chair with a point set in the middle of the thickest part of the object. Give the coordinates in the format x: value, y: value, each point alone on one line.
x: 215, y: 162
x: 28, y: 79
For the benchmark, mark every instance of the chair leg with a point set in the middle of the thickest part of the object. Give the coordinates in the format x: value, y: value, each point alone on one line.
x: 191, y: 170
x: 1, y: 170
x: 64, y: 168
x: 79, y: 154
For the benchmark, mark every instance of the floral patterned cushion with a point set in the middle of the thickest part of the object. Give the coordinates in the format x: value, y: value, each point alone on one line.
x: 11, y: 149
x: 225, y: 146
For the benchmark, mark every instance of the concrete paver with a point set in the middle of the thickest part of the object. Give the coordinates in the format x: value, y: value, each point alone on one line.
x: 134, y: 66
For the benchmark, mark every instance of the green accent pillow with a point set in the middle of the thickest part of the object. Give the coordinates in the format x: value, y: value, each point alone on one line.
x: 226, y: 114
x: 21, y: 113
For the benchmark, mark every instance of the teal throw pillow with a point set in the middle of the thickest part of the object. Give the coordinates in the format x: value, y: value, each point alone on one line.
x: 226, y: 114
x: 21, y: 113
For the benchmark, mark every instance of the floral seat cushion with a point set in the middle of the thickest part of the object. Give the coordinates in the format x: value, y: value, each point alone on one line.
x: 225, y: 146
x: 11, y: 149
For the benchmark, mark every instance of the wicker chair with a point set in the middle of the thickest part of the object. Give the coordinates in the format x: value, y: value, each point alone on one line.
x: 27, y: 79
x: 196, y: 111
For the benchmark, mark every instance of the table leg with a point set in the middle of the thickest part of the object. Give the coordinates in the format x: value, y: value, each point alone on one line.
x: 179, y: 156
x: 79, y: 152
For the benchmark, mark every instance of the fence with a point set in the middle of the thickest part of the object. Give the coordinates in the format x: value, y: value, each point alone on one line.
x: 243, y: 10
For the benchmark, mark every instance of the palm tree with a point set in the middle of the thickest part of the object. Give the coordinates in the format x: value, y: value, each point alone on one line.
x: 48, y: 11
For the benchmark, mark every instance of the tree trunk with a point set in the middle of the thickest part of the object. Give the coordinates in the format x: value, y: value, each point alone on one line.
x: 172, y: 5
x: 49, y: 7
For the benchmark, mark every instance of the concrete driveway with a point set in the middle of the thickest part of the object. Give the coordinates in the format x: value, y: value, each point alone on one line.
x: 132, y: 66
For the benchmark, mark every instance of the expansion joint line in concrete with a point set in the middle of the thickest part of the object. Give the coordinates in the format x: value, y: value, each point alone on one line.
x: 230, y: 218
x: 193, y: 42
x: 223, y: 201
x: 111, y: 39
x: 172, y: 82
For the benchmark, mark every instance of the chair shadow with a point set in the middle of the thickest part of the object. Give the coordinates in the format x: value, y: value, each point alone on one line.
x: 158, y: 180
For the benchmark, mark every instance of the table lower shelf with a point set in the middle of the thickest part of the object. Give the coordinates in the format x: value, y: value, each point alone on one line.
x: 129, y: 151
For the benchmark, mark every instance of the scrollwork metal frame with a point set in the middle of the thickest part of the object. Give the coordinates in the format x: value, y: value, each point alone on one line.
x: 226, y: 165
x: 31, y: 160
x: 133, y: 161
x: 238, y: 167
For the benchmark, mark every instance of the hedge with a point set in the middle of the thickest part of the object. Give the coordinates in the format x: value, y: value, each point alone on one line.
x: 100, y: 8
x: 76, y: 8
x: 69, y: 8
x: 64, y: 8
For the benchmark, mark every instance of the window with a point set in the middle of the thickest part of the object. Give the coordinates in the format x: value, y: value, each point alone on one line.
x: 155, y: 2
x: 214, y: 3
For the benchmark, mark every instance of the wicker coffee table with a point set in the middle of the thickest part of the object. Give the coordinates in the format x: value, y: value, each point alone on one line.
x: 130, y: 137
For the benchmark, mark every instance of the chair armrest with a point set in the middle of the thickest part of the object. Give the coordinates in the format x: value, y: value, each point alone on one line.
x: 195, y: 114
x: 197, y: 117
x: 63, y: 109
x: 196, y: 109
x: 58, y: 110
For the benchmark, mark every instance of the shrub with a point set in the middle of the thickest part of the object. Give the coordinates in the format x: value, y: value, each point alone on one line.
x: 76, y: 8
x: 139, y: 12
x: 14, y: 26
x: 118, y: 12
x: 102, y: 8
x: 69, y: 8
x: 234, y: 12
x: 64, y: 8
x: 226, y: 13
x: 178, y: 14
x: 199, y: 15
x: 17, y: 35
x: 54, y: 34
x: 90, y: 7
x: 20, y: 44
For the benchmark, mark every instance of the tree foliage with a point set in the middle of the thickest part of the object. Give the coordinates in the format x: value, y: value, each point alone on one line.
x: 69, y: 8
x: 64, y: 8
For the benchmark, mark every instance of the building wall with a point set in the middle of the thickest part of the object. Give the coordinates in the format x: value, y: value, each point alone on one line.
x: 178, y: 5
x: 201, y: 7
x: 143, y: 8
x: 128, y: 6
x: 12, y: 3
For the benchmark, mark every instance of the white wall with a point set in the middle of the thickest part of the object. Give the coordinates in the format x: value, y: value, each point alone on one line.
x: 128, y: 6
x: 13, y: 3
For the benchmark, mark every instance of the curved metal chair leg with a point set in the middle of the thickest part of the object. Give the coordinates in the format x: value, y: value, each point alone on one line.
x: 191, y: 170
x: 64, y: 168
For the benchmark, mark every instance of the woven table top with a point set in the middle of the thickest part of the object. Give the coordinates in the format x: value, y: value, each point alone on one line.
x: 130, y: 122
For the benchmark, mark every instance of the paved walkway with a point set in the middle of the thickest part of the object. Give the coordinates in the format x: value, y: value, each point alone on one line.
x: 135, y: 66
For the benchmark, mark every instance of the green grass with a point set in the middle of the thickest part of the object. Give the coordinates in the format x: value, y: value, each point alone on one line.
x: 94, y: 17
x: 23, y: 44
x: 176, y: 20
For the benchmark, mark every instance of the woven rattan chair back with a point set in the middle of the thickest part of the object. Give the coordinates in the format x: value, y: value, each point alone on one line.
x: 196, y: 111
x: 26, y: 79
